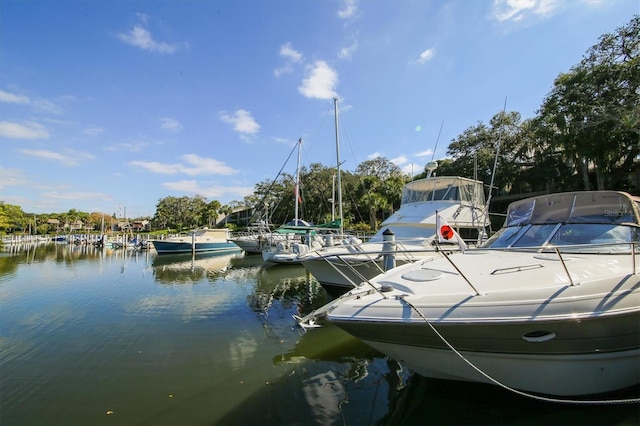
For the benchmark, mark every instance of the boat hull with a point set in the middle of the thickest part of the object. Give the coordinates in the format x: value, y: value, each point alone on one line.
x: 550, y: 304
x: 529, y: 319
x: 164, y: 247
x: 559, y: 375
x: 249, y: 245
x: 255, y: 244
x: 564, y: 357
x: 338, y: 276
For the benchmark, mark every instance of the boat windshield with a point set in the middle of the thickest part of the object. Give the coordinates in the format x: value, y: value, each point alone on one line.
x: 575, y: 207
x: 446, y: 188
x: 570, y: 235
x: 589, y: 221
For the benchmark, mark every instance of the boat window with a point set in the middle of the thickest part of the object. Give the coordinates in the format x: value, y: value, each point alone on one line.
x: 603, y: 208
x: 444, y: 189
x: 521, y: 236
x: 568, y: 235
x: 520, y: 214
x: 406, y: 234
x: 505, y: 237
x: 535, y: 236
x: 593, y: 234
x: 412, y: 196
x: 580, y: 207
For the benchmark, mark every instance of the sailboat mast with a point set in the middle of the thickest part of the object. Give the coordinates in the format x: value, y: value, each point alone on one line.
x: 339, y: 182
x: 297, y: 200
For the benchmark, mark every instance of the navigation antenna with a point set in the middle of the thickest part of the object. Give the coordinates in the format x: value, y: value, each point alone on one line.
x: 432, y: 165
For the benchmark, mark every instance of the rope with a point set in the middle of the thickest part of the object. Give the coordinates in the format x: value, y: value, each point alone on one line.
x: 509, y: 388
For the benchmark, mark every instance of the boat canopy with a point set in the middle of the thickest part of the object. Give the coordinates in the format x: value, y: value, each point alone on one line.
x: 606, y: 207
x: 211, y: 232
x: 444, y: 188
x: 313, y: 229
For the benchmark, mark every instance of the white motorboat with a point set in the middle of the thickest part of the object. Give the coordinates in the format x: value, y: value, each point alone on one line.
x: 548, y: 305
x: 459, y: 201
x: 255, y: 238
x: 289, y: 243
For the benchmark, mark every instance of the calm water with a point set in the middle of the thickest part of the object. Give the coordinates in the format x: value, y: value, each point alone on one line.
x: 92, y: 337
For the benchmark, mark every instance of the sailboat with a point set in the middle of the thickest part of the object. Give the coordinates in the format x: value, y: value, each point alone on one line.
x: 286, y: 250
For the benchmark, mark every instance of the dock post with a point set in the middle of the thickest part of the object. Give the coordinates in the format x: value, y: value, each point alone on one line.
x: 388, y: 248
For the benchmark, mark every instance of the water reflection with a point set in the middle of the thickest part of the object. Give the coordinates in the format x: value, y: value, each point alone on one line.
x: 63, y: 252
x: 91, y: 331
x: 190, y: 268
x: 288, y: 284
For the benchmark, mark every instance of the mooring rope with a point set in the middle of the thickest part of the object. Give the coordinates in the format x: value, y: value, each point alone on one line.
x: 509, y: 388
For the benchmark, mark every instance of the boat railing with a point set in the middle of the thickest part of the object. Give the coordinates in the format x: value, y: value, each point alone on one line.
x: 341, y: 261
x: 365, y: 286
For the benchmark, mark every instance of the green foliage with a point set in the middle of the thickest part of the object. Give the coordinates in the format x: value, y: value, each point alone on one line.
x: 181, y: 213
x: 585, y: 135
x: 12, y: 218
x: 592, y: 114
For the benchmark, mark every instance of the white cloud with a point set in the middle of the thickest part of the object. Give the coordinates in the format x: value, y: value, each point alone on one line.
x: 208, y: 189
x: 141, y: 37
x: 38, y: 103
x: 192, y: 165
x: 320, y: 83
x: 412, y: 169
x: 46, y: 105
x: 170, y: 124
x: 347, y: 51
x: 93, y: 131
x: 398, y: 161
x: 291, y: 56
x: 11, y: 177
x: 128, y: 146
x: 288, y: 52
x: 374, y: 155
x: 285, y: 141
x: 518, y: 10
x: 83, y: 196
x: 424, y: 153
x: 25, y: 130
x: 242, y: 121
x: 426, y: 56
x: 285, y: 69
x: 70, y: 158
x: 13, y: 98
x: 348, y: 10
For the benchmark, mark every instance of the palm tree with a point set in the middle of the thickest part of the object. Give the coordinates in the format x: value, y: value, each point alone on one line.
x: 225, y: 210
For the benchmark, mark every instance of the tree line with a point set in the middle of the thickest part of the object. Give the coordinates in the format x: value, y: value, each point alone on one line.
x: 585, y: 135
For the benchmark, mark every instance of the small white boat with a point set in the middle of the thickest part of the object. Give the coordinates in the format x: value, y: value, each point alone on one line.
x: 291, y: 242
x: 199, y: 240
x: 255, y: 238
x: 549, y: 305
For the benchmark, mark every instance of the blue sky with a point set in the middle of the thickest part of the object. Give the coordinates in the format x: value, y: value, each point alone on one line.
x: 113, y: 105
